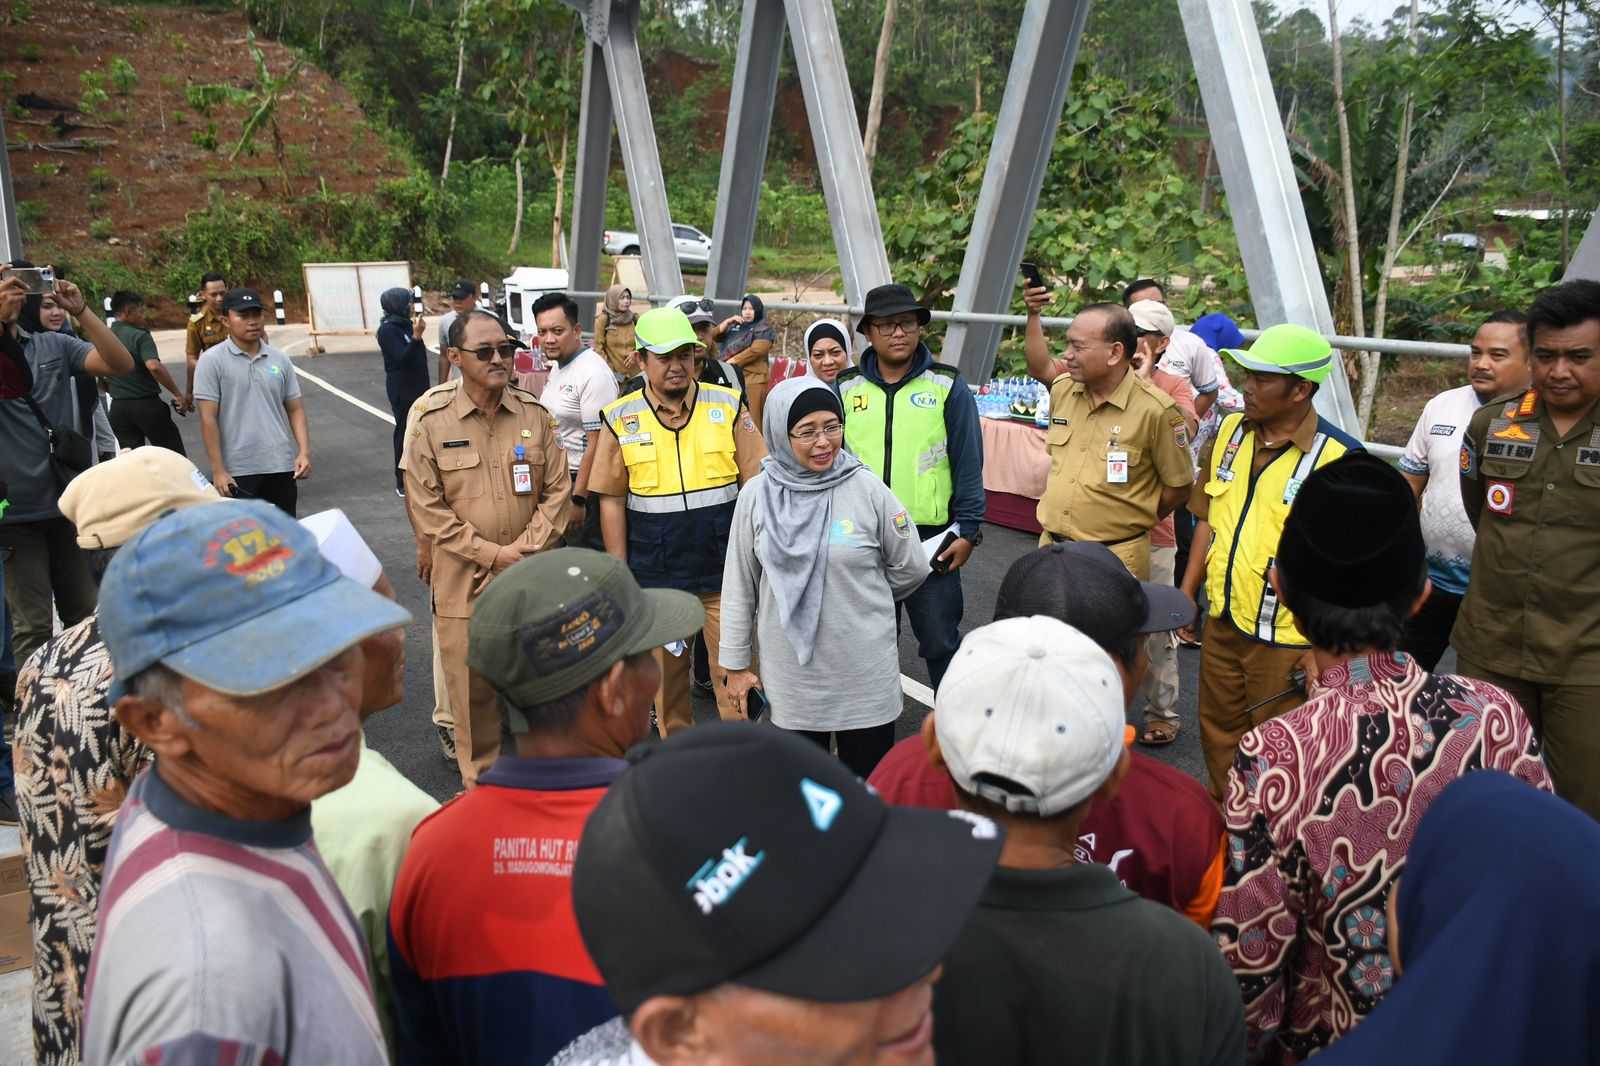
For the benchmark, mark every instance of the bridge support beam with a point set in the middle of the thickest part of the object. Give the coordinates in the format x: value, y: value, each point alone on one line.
x: 1269, y: 218
x: 1025, y: 131
x: 744, y: 150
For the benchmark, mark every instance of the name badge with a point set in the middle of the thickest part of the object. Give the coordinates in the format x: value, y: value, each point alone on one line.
x: 1117, y: 468
x: 456, y: 443
x: 522, y: 478
x: 635, y: 438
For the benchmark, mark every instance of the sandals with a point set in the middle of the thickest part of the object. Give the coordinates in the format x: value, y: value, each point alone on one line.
x: 1158, y: 734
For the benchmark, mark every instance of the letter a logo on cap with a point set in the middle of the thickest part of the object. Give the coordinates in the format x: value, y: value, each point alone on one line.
x: 824, y: 803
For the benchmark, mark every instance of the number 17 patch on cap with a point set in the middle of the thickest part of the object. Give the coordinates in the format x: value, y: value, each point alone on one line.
x: 1501, y: 496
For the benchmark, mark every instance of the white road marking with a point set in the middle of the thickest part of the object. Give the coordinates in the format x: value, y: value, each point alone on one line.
x: 364, y: 405
x: 915, y: 689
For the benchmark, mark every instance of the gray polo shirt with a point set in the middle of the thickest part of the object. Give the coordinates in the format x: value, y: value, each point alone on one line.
x: 24, y: 449
x: 250, y: 392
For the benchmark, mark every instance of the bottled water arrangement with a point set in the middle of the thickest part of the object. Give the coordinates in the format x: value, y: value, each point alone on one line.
x: 1019, y: 399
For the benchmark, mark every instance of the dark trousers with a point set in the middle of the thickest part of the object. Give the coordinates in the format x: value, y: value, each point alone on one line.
x: 46, y: 574
x: 1428, y: 632
x: 935, y: 613
x: 1183, y: 533
x: 280, y: 490
x: 402, y: 394
x: 144, y: 420
x: 859, y: 749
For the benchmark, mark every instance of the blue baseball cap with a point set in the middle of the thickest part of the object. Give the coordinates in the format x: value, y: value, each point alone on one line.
x: 233, y: 595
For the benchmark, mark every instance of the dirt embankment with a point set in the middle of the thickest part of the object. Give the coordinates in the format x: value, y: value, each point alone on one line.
x: 99, y: 177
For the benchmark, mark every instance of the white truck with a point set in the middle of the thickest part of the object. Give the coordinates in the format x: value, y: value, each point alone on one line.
x: 694, y: 247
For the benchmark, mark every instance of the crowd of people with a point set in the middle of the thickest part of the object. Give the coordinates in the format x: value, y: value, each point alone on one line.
x: 221, y: 870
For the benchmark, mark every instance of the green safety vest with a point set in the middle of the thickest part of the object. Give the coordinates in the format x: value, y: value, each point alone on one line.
x: 904, y: 443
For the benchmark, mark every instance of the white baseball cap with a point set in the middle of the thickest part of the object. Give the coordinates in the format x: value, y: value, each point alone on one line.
x: 694, y: 308
x: 1030, y: 715
x: 1153, y: 315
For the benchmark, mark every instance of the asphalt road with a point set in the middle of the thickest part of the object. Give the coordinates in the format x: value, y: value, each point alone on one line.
x: 352, y: 463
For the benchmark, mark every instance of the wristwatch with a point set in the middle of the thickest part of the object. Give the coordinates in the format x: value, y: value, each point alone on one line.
x: 976, y: 538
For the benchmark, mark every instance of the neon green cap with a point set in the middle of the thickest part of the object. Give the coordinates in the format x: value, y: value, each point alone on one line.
x: 1287, y: 349
x: 663, y: 330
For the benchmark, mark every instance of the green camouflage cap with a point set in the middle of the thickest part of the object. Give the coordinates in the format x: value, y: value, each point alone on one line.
x: 666, y: 329
x: 556, y: 621
x: 1287, y: 349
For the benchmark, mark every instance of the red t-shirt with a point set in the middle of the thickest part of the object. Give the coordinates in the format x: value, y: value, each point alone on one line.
x: 1161, y: 834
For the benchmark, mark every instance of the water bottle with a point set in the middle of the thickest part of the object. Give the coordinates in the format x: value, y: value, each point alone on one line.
x: 1041, y: 413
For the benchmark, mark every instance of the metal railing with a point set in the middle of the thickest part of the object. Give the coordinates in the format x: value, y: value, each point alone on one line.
x: 1367, y: 344
x: 1386, y: 345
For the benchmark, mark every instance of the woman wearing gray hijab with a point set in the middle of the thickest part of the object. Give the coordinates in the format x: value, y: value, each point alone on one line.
x: 819, y: 554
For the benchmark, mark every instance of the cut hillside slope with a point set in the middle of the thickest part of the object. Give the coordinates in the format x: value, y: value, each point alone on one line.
x: 144, y: 159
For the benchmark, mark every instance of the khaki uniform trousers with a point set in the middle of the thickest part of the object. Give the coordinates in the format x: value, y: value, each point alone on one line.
x: 1160, y: 688
x: 1566, y: 719
x: 474, y: 703
x: 1236, y: 672
x: 1134, y: 553
x: 441, y: 691
x: 674, y: 702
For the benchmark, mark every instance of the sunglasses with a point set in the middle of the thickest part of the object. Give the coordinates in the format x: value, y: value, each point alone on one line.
x: 506, y: 351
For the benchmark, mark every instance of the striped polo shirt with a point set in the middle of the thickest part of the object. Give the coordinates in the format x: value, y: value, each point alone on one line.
x: 223, y: 941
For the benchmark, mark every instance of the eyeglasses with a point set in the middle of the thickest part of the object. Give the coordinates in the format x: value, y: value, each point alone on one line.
x: 899, y: 325
x: 810, y: 436
x: 506, y: 351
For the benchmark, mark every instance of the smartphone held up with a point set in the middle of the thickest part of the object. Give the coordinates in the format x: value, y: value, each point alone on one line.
x: 36, y: 281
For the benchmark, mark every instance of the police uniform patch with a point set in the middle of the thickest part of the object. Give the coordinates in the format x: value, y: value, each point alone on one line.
x: 1469, y: 458
x: 1501, y: 497
x: 1589, y: 456
x: 1506, y: 449
x: 1505, y: 429
x: 747, y: 422
x: 1528, y: 400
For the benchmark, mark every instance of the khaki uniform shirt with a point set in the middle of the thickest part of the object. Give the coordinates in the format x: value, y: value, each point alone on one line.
x: 1532, y: 608
x: 457, y: 465
x: 1081, y: 500
x: 205, y: 331
x: 608, y: 474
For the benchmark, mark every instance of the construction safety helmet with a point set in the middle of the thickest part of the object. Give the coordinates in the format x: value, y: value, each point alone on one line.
x: 663, y: 330
x: 1287, y: 349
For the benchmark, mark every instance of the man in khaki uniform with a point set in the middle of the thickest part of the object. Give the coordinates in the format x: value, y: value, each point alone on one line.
x: 480, y: 507
x: 1530, y: 482
x: 207, y: 328
x: 1119, y: 446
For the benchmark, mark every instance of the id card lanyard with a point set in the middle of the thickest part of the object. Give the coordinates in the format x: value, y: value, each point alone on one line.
x: 521, y: 473
x: 1116, y: 460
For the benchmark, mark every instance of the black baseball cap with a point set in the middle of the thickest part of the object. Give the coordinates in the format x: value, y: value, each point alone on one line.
x: 241, y: 300
x: 462, y: 289
x: 742, y: 853
x: 886, y: 301
x: 1087, y: 587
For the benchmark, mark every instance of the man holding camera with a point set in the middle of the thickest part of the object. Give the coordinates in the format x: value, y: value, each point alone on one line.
x: 41, y: 450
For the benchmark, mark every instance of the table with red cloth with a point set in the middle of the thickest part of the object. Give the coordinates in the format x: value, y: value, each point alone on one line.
x: 1015, y: 469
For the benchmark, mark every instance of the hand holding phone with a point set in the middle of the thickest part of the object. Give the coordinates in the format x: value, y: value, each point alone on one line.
x: 1030, y: 273
x: 36, y: 281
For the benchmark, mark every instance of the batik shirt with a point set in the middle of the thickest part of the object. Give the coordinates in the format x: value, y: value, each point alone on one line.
x: 74, y: 764
x: 1321, y: 807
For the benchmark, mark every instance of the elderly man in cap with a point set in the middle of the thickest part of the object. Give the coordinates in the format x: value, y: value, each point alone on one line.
x: 1059, y: 954
x: 237, y: 654
x: 1322, y: 802
x: 74, y: 760
x: 1161, y: 834
x: 914, y: 422
x: 487, y: 960
x: 1249, y: 475
x: 362, y: 829
x: 749, y: 901
x: 251, y: 418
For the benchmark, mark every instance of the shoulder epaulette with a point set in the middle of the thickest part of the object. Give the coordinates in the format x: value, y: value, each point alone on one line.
x: 197, y: 316
x: 439, y: 396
